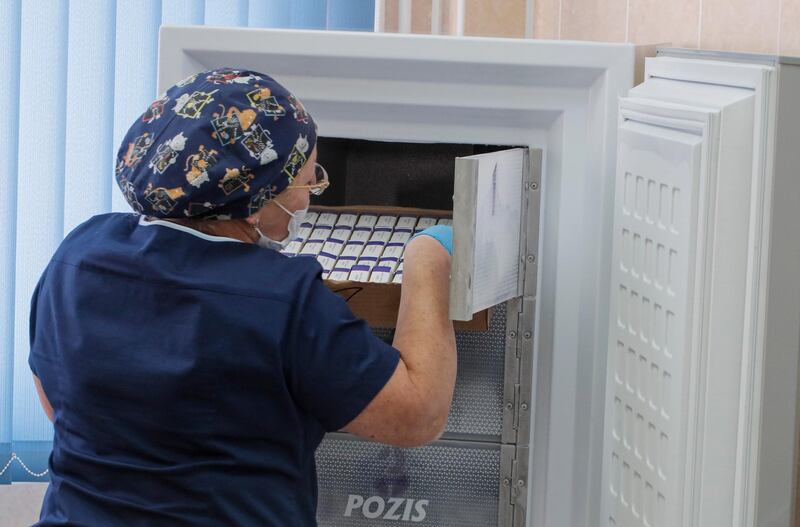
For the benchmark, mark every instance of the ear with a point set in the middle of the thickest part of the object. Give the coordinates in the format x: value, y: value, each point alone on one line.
x: 254, y: 219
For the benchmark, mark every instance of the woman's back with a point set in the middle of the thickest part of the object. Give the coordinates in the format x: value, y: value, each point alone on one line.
x: 187, y: 383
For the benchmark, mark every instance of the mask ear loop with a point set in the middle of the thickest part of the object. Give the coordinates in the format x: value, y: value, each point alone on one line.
x: 258, y: 218
x: 284, y: 209
x: 255, y: 228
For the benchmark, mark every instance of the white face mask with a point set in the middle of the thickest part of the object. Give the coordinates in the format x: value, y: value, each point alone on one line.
x: 296, y: 219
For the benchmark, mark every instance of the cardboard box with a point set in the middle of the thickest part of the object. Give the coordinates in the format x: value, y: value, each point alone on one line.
x: 378, y: 303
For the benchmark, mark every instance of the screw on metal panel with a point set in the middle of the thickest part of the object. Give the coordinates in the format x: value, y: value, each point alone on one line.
x: 509, y: 406
x: 527, y: 334
x: 530, y: 258
x: 534, y: 185
x: 520, y: 483
x: 506, y: 482
x: 513, y: 334
x: 524, y: 406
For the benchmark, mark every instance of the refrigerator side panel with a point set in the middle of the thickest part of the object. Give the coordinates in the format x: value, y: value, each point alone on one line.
x: 778, y: 456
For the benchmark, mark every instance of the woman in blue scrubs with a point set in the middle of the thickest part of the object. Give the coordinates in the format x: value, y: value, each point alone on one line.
x: 189, y: 368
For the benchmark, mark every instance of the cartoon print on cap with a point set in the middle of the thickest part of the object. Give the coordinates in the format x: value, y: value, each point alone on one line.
x: 262, y: 100
x: 197, y: 166
x: 155, y: 111
x: 259, y: 143
x: 230, y: 126
x: 235, y: 179
x: 190, y: 106
x: 188, y: 80
x: 235, y: 140
x: 130, y: 194
x: 137, y: 149
x: 163, y: 200
x: 167, y: 152
x: 231, y: 76
x: 258, y: 199
x: 300, y: 114
x: 196, y: 209
x: 297, y: 158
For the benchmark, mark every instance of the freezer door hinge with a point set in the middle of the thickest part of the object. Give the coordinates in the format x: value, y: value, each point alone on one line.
x: 511, y: 380
x: 506, y: 510
x: 516, y: 407
x: 524, y: 388
x: 513, y: 486
x: 519, y: 486
x: 529, y: 242
x: 518, y: 371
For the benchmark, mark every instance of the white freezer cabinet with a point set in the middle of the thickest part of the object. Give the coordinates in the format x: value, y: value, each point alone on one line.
x: 665, y: 290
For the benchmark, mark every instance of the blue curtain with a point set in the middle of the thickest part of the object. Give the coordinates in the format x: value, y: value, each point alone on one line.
x: 75, y: 74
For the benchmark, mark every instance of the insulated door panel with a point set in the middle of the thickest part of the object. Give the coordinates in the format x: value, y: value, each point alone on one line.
x: 660, y: 165
x: 488, y: 207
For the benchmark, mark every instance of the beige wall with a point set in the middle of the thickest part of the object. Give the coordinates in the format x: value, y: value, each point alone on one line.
x: 767, y: 26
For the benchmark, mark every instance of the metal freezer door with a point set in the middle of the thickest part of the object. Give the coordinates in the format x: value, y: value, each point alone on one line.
x: 477, y: 410
x: 447, y: 484
x: 488, y: 210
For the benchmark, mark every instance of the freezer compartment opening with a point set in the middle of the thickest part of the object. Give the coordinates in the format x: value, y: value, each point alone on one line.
x: 382, y: 193
x: 393, y: 174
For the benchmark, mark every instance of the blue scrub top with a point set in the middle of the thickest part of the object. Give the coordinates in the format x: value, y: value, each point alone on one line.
x: 192, y: 377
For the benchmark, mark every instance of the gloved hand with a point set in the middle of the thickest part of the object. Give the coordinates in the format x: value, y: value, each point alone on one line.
x: 442, y: 234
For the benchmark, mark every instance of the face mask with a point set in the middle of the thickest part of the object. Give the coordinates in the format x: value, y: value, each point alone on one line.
x: 296, y: 219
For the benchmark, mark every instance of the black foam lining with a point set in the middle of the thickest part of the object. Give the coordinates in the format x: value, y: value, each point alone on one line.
x: 392, y: 174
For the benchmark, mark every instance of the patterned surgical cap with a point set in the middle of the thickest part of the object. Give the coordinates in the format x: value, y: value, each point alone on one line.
x: 220, y: 143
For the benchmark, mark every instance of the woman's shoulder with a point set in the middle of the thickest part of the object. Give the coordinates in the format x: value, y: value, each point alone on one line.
x: 97, y: 224
x: 117, y: 242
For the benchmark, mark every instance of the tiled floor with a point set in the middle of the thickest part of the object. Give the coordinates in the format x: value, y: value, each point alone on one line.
x: 20, y: 503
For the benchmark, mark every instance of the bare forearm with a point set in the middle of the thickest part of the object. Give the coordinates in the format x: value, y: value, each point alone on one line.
x: 424, y: 334
x: 412, y: 408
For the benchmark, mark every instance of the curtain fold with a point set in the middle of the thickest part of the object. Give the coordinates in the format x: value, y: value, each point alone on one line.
x: 10, y: 11
x: 75, y: 76
x: 228, y: 13
x: 40, y: 191
x: 270, y: 13
x: 351, y: 15
x: 136, y: 56
x: 90, y: 119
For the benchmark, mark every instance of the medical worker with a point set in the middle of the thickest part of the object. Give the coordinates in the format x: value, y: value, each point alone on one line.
x: 189, y: 368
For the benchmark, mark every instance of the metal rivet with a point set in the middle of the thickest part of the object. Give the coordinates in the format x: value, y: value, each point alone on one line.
x: 530, y: 258
x: 509, y: 406
x: 527, y: 334
x: 520, y: 483
x: 513, y: 334
x: 524, y: 406
x: 534, y: 185
x: 506, y: 482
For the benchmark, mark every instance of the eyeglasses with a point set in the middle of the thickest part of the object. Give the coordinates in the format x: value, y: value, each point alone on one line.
x: 320, y: 181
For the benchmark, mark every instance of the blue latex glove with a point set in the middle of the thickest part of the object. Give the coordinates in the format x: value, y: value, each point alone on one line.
x: 442, y: 234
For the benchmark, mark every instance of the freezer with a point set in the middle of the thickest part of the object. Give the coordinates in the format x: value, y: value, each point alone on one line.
x: 633, y: 249
x: 448, y: 483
